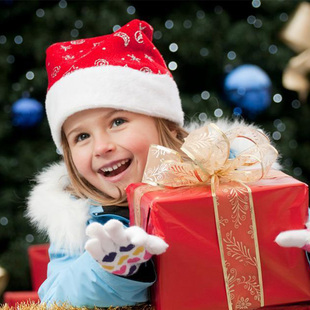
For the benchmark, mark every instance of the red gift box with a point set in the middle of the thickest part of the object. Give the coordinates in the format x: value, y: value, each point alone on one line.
x: 190, y: 272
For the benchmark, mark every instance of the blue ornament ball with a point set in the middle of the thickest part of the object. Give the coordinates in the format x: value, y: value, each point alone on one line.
x: 27, y: 112
x: 248, y: 87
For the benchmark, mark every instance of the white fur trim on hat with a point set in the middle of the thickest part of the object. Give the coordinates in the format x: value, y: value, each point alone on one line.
x: 114, y: 87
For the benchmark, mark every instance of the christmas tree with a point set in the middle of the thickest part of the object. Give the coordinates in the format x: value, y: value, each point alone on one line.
x: 203, y: 42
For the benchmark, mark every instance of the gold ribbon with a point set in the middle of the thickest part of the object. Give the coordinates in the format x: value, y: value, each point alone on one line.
x: 296, y: 34
x: 209, y: 150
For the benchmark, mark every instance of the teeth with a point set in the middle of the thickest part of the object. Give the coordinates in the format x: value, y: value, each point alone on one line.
x: 115, y: 166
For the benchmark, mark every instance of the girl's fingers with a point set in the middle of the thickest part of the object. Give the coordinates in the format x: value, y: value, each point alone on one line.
x: 152, y: 244
x: 116, y: 230
x: 93, y: 246
x: 293, y: 238
x: 112, y: 235
x: 93, y: 230
x: 136, y: 235
x: 156, y: 245
x: 97, y: 231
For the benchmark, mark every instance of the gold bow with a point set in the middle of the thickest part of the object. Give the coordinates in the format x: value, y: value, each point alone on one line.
x: 209, y: 150
x: 296, y: 35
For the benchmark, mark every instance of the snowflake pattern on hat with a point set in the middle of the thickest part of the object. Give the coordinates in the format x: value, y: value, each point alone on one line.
x: 121, y: 48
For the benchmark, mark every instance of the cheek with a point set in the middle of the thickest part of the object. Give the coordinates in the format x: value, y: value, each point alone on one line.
x: 81, y: 162
x: 141, y: 148
x: 142, y: 143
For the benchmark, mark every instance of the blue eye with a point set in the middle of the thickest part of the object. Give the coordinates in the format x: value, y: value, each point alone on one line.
x: 117, y: 122
x: 82, y: 137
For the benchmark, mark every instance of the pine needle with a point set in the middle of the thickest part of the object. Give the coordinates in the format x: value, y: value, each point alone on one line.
x: 39, y: 306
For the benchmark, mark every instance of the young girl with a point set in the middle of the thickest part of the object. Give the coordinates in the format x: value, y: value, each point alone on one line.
x: 108, y: 99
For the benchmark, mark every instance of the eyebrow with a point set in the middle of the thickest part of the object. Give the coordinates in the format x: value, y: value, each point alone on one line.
x: 77, y: 129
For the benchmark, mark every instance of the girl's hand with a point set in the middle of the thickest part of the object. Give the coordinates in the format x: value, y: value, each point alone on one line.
x: 121, y: 250
x: 295, y: 238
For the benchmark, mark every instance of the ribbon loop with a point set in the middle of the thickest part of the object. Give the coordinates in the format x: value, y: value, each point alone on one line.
x: 200, y: 144
x: 208, y: 148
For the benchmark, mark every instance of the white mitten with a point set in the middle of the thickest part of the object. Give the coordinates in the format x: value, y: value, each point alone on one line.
x: 295, y: 238
x: 121, y: 250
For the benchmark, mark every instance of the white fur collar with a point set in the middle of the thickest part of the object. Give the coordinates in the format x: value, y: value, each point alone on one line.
x: 55, y: 212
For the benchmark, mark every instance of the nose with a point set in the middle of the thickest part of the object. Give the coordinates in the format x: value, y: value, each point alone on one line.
x: 103, y: 144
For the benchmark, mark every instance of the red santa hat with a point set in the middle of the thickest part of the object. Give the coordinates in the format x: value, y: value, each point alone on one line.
x: 122, y: 70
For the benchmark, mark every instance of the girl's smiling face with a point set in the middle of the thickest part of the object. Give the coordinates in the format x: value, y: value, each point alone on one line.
x: 109, y: 147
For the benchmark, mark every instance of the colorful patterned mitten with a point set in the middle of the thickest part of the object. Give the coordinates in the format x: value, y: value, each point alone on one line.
x: 295, y: 238
x: 121, y: 250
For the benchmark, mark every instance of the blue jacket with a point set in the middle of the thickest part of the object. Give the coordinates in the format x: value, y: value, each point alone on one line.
x: 80, y: 281
x: 74, y: 277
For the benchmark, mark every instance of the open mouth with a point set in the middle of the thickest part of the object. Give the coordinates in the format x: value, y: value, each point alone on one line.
x: 116, y: 168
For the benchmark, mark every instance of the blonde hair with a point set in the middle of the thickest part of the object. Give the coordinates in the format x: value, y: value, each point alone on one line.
x: 171, y: 135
